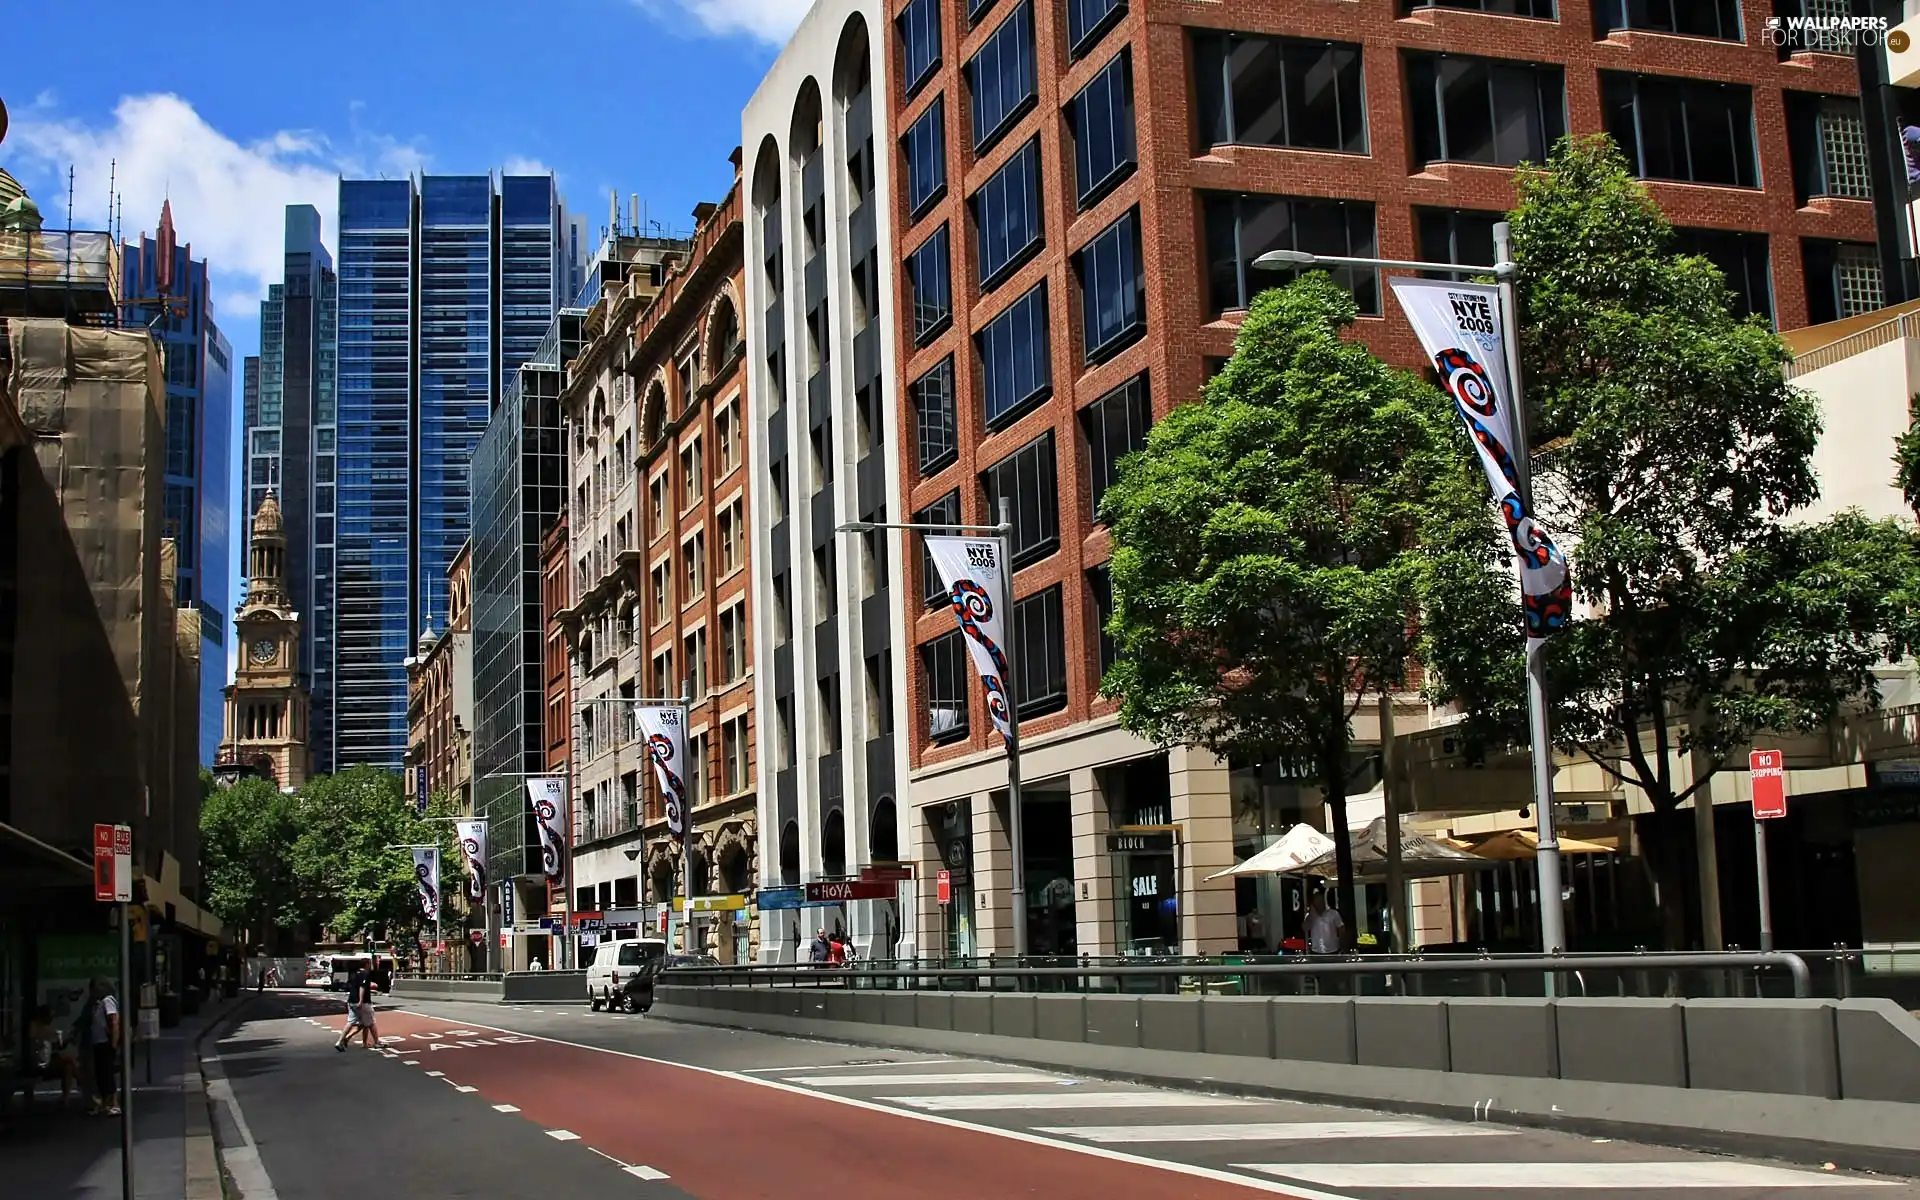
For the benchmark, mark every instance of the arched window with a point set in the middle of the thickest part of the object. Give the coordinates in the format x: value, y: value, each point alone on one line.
x: 833, y: 845
x: 723, y: 335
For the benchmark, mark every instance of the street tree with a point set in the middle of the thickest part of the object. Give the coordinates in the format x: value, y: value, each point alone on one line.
x: 247, y: 835
x: 1282, y: 547
x: 1679, y: 454
x: 348, y: 854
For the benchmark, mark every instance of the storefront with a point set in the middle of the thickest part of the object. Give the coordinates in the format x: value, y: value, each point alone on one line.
x: 953, y: 833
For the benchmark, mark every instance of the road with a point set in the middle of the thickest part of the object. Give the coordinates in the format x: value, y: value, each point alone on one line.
x: 472, y: 1100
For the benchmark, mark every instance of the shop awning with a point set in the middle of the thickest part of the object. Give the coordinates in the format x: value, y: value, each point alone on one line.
x: 29, y: 866
x: 1296, y: 848
x: 1515, y: 844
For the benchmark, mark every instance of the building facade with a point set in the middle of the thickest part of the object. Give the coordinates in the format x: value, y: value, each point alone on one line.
x: 166, y: 293
x: 290, y: 448
x: 440, y: 702
x: 266, y: 725
x: 659, y: 546
x: 1082, y: 190
x: 827, y: 442
x: 447, y: 285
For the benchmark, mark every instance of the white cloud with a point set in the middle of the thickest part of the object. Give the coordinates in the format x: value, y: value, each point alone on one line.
x: 769, y: 21
x: 517, y: 165
x: 229, y: 198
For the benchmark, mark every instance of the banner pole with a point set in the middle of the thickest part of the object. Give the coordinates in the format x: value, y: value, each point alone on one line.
x: 126, y: 1056
x: 686, y: 826
x: 1016, y: 825
x: 1553, y: 931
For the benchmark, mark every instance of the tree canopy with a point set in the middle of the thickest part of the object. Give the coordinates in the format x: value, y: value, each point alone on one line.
x: 1276, y: 544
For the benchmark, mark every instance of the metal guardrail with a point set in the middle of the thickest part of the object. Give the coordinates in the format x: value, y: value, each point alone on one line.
x: 1906, y: 325
x: 1727, y: 971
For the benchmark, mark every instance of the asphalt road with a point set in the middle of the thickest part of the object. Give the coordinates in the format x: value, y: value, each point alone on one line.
x: 483, y: 1100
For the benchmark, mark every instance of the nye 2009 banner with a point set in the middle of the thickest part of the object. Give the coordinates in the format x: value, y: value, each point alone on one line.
x: 473, y: 847
x: 1460, y: 327
x: 975, y: 579
x: 548, y: 795
x: 426, y: 873
x: 665, y: 729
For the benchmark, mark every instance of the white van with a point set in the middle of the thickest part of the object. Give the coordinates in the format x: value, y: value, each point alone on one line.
x: 622, y: 974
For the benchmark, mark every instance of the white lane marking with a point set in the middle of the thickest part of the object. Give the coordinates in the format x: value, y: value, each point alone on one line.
x: 1250, y: 1182
x: 410, y: 1062
x: 1557, y: 1175
x: 563, y: 1135
x: 436, y: 1074
x: 646, y: 1172
x: 505, y: 1108
x: 463, y: 1088
x: 1270, y: 1131
x: 892, y: 1080
x: 865, y: 1066
x: 1009, y: 1101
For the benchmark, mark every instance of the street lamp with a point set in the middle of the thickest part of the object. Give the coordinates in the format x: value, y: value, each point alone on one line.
x: 1016, y: 836
x: 1553, y: 933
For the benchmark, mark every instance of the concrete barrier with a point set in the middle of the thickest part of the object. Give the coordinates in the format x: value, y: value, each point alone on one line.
x: 545, y: 987
x: 1113, y: 1021
x: 1787, y: 1047
x: 1401, y: 1031
x: 1015, y: 1016
x: 972, y: 1013
x: 487, y: 990
x: 1879, y: 1051
x: 1504, y: 1036
x: 1624, y: 1040
x: 1314, y: 1029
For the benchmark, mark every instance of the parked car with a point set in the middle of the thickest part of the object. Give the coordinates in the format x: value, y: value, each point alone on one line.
x: 622, y: 974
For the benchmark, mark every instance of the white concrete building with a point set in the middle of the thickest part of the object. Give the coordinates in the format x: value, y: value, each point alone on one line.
x: 829, y: 628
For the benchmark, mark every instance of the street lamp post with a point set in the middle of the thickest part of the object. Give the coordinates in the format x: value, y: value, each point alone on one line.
x: 1016, y: 834
x: 685, y: 703
x: 566, y: 890
x: 1553, y: 933
x: 436, y: 885
x: 487, y: 821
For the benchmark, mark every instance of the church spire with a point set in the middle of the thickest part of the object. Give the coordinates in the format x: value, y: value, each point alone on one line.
x: 267, y: 557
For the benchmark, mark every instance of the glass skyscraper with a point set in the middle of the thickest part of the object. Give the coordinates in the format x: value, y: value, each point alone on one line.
x: 290, y: 430
x: 446, y: 287
x: 199, y: 419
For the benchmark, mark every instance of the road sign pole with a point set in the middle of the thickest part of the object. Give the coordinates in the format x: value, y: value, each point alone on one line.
x: 1760, y: 870
x: 126, y: 1056
x: 1768, y: 778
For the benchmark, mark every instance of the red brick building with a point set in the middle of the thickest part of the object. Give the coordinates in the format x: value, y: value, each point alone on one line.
x: 1079, y: 191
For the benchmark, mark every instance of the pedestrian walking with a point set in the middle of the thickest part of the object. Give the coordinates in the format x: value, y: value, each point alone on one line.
x: 360, y: 1015
x: 820, y: 952
x: 1326, y: 932
x: 98, y: 1031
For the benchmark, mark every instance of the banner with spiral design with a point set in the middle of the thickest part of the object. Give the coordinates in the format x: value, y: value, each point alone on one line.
x: 1460, y: 326
x: 426, y: 873
x: 970, y: 569
x: 548, y: 795
x: 665, y: 730
x: 473, y: 847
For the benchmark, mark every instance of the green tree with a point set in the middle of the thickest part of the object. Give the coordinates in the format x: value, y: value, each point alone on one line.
x: 247, y: 835
x: 1906, y: 457
x: 1280, y: 546
x: 1678, y: 450
x: 345, y: 856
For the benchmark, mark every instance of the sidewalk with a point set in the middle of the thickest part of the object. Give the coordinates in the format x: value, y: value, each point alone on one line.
x: 66, y: 1155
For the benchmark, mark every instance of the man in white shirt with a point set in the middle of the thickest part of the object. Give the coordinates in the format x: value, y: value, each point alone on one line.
x: 1326, y: 932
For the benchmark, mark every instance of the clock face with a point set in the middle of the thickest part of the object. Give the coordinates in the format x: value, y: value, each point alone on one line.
x: 265, y: 650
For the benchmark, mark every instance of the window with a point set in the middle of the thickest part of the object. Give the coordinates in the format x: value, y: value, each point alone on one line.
x: 1828, y: 30
x: 697, y: 769
x: 936, y: 424
x: 925, y: 147
x: 726, y: 430
x: 930, y: 275
x: 873, y: 562
x: 1115, y: 426
x: 1483, y: 110
x: 1039, y: 654
x: 733, y: 643
x: 1101, y: 120
x: 879, y: 696
x: 820, y: 439
x: 1262, y: 91
x: 919, y: 25
x: 1006, y: 214
x: 657, y: 491
x: 1692, y: 18
x: 1013, y: 347
x: 826, y: 586
x: 1240, y: 228
x: 1089, y: 20
x: 733, y: 754
x: 1682, y: 129
x: 1829, y: 143
x: 694, y: 648
x: 944, y: 511
x: 1113, y: 291
x: 693, y: 565
x: 662, y: 595
x: 732, y: 539
x: 664, y: 683
x: 692, y: 480
x: 1027, y: 480
x: 782, y: 610
x: 1100, y: 587
x: 827, y: 716
x: 1001, y: 77
x: 1456, y: 235
x: 1743, y: 258
x: 945, y: 661
x: 783, y: 744
x: 1843, y: 279
x: 777, y: 494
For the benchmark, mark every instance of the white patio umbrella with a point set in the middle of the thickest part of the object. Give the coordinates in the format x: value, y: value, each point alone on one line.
x: 1296, y: 848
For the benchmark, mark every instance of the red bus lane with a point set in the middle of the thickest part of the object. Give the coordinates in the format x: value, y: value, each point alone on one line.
x: 683, y: 1121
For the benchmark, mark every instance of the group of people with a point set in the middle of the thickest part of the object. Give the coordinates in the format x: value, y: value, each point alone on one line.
x: 830, y: 949
x: 360, y: 1012
x: 91, y: 1044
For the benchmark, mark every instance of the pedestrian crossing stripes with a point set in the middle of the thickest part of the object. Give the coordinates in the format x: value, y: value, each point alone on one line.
x: 1475, y: 1176
x: 957, y: 1077
x: 1010, y: 1101
x: 1267, y: 1131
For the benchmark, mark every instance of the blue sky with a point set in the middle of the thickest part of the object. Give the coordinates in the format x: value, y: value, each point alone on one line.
x: 235, y: 108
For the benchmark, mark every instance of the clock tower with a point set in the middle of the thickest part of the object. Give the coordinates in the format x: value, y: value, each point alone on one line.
x: 266, y: 707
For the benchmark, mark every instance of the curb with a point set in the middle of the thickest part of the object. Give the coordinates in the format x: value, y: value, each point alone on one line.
x: 206, y: 1177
